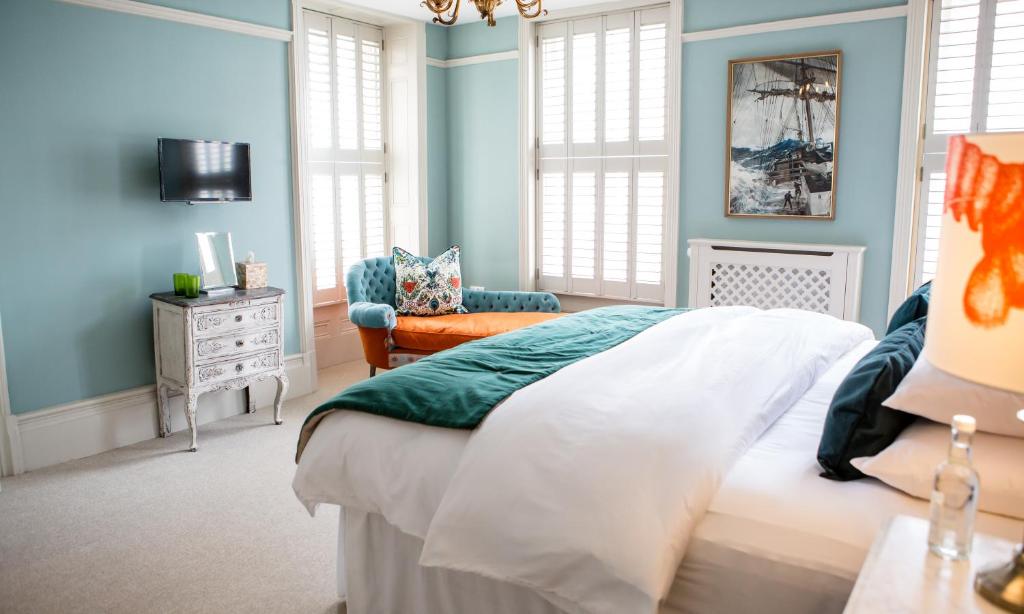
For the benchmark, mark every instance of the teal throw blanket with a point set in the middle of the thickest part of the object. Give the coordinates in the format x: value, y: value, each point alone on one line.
x: 457, y: 388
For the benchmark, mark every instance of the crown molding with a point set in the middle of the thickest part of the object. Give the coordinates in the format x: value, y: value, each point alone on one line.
x: 133, y: 7
x: 817, y: 21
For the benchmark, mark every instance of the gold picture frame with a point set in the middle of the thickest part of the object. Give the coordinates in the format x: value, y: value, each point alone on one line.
x: 782, y: 110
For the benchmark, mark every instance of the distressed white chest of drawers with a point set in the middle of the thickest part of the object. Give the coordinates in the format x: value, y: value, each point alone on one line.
x: 217, y: 343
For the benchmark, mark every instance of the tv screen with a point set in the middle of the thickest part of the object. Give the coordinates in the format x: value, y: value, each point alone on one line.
x: 203, y: 171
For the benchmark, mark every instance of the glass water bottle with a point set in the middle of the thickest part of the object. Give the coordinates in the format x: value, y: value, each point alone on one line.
x: 955, y: 496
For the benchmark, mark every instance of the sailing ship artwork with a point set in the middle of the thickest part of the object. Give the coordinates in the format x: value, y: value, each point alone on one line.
x: 782, y: 129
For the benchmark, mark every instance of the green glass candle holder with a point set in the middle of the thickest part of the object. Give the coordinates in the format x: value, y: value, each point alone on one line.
x: 180, y: 280
x: 192, y: 286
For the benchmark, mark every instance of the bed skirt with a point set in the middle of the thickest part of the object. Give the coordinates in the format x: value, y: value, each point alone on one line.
x: 382, y: 575
x: 379, y: 573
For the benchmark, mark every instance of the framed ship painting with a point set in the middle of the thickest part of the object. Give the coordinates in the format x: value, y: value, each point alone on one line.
x: 782, y: 130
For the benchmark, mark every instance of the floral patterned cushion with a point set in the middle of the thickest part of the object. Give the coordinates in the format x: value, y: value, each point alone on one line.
x: 432, y: 289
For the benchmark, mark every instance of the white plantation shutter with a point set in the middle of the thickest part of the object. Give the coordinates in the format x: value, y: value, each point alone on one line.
x: 954, y: 74
x: 652, y: 103
x: 583, y: 216
x: 344, y: 78
x: 602, y: 109
x: 618, y: 82
x: 934, y: 192
x: 1006, y: 76
x: 318, y: 84
x: 372, y: 125
x: 351, y: 216
x: 551, y: 241
x: 650, y: 227
x: 976, y: 84
x: 325, y: 258
x: 373, y: 214
x: 347, y: 88
x: 617, y: 196
x: 552, y: 86
x: 584, y: 82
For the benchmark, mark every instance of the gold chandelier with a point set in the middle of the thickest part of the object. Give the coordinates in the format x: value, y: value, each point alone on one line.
x: 527, y: 8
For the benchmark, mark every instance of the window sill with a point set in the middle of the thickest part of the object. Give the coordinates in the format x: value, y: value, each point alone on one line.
x: 572, y: 302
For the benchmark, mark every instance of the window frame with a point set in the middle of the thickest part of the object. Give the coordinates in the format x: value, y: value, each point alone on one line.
x: 531, y: 148
x: 337, y: 159
x: 932, y: 145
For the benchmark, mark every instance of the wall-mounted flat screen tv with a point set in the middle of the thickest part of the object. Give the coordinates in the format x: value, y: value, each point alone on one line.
x: 204, y: 171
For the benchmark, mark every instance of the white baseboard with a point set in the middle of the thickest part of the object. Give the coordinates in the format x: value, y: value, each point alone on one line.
x: 90, y: 426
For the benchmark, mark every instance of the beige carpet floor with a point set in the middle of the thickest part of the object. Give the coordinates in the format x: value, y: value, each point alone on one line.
x: 154, y: 528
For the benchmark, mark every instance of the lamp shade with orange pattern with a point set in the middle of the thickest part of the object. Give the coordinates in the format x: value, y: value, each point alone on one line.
x: 976, y: 313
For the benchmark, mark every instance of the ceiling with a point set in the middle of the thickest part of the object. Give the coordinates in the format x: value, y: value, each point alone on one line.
x: 467, y: 14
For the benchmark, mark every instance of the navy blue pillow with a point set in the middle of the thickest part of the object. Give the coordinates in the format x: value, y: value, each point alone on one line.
x: 857, y: 423
x: 916, y: 306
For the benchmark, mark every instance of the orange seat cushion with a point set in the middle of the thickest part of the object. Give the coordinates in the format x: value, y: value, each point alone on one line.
x: 436, y: 333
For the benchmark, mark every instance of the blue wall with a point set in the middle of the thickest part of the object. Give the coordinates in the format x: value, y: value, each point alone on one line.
x: 866, y: 162
x: 479, y: 150
x: 437, y: 160
x: 437, y: 42
x: 476, y: 37
x: 483, y: 192
x: 483, y: 158
x: 437, y: 142
x: 84, y: 238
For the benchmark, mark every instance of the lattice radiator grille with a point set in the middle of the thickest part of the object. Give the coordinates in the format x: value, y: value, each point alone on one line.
x: 820, y: 278
x: 771, y: 287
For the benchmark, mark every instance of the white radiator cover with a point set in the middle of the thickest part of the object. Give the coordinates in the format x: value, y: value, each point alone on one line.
x: 815, y: 277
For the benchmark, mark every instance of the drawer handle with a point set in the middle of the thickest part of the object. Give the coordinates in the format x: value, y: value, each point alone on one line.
x: 239, y: 343
x: 239, y: 367
x: 238, y: 318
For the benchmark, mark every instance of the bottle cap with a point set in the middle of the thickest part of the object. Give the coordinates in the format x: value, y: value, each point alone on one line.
x: 964, y: 423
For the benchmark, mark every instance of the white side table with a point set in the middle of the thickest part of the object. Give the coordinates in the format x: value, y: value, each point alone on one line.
x: 900, y: 575
x: 217, y: 343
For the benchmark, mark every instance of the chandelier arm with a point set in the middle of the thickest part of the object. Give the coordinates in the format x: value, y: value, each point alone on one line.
x: 439, y: 7
x: 524, y: 9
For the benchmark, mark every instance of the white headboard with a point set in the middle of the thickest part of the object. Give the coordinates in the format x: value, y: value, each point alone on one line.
x: 822, y: 278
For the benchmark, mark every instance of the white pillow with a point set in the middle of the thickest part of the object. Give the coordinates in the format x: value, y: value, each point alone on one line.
x: 909, y: 464
x: 930, y: 392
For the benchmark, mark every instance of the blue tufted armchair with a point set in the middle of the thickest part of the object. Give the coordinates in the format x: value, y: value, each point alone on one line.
x: 390, y: 340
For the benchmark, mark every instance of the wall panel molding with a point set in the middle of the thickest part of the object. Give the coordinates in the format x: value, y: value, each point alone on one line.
x: 483, y: 58
x: 91, y: 426
x: 132, y: 7
x: 816, y: 21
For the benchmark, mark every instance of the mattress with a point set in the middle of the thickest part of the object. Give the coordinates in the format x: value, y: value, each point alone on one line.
x: 776, y: 537
x: 775, y: 528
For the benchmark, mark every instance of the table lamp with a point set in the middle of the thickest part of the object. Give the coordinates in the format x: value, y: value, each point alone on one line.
x: 976, y: 313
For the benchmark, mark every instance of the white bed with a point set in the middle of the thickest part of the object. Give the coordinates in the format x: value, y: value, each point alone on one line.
x: 775, y: 538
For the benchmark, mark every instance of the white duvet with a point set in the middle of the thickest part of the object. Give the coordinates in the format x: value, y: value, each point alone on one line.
x: 585, y: 486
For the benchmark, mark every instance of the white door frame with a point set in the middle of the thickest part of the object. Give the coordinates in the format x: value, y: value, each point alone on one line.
x: 301, y: 214
x: 904, y: 227
x: 528, y: 134
x: 10, y: 442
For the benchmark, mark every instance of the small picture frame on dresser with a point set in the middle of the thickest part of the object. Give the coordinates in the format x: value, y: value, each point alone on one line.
x: 217, y: 343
